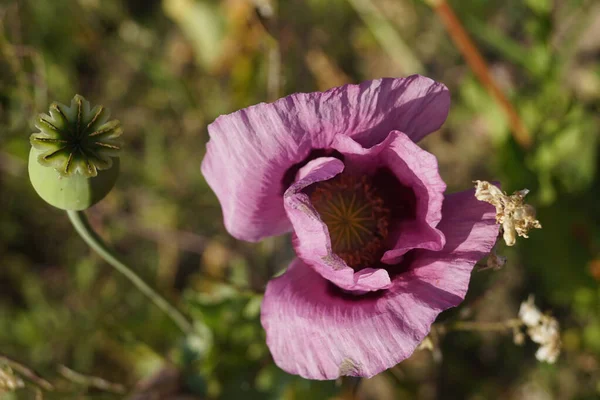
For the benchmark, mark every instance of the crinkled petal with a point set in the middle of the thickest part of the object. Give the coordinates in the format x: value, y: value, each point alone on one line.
x: 470, y: 228
x: 414, y: 168
x: 312, y: 241
x: 319, y: 332
x: 250, y: 150
x: 417, y: 169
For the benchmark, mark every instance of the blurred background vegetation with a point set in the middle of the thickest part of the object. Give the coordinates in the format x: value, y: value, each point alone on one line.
x: 168, y: 68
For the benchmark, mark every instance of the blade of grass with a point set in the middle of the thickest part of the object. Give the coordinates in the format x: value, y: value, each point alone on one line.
x: 387, y: 36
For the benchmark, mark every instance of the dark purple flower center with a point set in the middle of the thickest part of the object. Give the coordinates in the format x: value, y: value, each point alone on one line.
x: 356, y: 217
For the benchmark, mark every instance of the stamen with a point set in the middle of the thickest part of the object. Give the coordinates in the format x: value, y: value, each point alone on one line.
x: 356, y: 217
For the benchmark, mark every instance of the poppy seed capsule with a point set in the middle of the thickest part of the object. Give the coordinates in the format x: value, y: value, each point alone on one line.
x: 73, y: 162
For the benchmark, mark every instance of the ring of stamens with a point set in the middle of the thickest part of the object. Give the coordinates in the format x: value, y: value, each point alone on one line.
x: 356, y: 217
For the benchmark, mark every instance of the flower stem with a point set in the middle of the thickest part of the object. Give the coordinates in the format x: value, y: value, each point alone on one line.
x: 482, y: 326
x: 85, y: 230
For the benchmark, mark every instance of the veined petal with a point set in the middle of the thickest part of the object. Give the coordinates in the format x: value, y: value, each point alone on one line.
x: 251, y: 150
x: 470, y: 228
x: 319, y: 332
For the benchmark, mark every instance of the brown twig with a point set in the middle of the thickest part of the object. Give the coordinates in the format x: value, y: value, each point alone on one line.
x: 91, y: 381
x: 476, y: 62
x: 478, y: 326
x: 27, y: 373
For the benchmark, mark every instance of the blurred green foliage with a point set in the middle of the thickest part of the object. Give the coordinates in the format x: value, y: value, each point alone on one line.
x: 168, y: 68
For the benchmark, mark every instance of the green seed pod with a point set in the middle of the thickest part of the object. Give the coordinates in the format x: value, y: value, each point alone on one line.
x: 74, y: 161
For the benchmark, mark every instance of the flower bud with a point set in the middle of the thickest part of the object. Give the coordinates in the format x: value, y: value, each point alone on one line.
x: 73, y: 162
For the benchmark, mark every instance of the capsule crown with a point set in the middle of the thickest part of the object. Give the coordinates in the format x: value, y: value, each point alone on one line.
x: 77, y: 139
x: 74, y: 161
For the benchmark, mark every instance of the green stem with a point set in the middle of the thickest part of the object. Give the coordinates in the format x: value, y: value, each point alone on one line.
x: 85, y: 230
x: 483, y: 326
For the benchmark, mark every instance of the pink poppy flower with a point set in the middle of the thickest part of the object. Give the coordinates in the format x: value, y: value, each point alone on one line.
x: 381, y: 250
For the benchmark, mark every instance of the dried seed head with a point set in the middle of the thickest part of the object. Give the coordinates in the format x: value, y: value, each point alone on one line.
x: 516, y: 217
x: 542, y: 329
x: 529, y: 313
x: 8, y: 381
